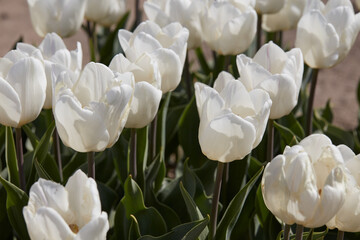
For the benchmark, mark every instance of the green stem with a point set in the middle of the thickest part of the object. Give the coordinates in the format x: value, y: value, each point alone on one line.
x: 287, y: 232
x: 310, y: 105
x: 57, y: 152
x: 187, y: 76
x: 215, y: 200
x: 270, y: 141
x: 137, y: 13
x: 299, y: 232
x: 132, y: 167
x: 91, y: 31
x: 340, y: 235
x: 20, y: 158
x: 91, y: 164
x: 258, y: 32
x: 152, y: 145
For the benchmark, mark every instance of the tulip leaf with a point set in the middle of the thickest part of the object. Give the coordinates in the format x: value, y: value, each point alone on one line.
x: 134, y: 232
x: 233, y: 211
x: 286, y: 134
x: 41, y: 171
x: 312, y: 235
x: 202, y: 60
x: 141, y: 154
x: 43, y: 147
x: 186, y: 231
x: 107, y: 196
x: 10, y: 156
x: 74, y: 163
x: 119, y: 155
x: 6, y: 230
x: 15, y: 201
x: 133, y: 204
x: 292, y: 123
x: 31, y: 135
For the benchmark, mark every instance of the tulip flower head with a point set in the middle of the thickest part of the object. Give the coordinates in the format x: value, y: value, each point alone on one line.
x: 22, y: 87
x: 232, y: 119
x: 269, y: 6
x: 90, y: 111
x: 147, y: 93
x: 277, y: 72
x: 71, y: 212
x: 348, y: 217
x: 107, y: 13
x: 61, y: 16
x: 187, y: 12
x: 53, y: 50
x: 285, y: 19
x: 166, y: 45
x: 306, y: 184
x: 326, y: 33
x: 229, y: 26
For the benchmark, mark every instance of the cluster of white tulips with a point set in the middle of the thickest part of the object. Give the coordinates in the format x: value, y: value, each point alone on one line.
x: 312, y: 184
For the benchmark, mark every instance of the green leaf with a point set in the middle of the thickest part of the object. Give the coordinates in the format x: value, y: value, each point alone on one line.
x: 133, y: 204
x: 32, y: 136
x: 107, y: 196
x: 11, y: 159
x: 286, y: 134
x: 134, y: 231
x: 141, y: 154
x: 16, y: 200
x: 233, y: 211
x: 202, y: 60
x: 43, y: 147
x: 75, y: 162
x: 41, y: 171
x: 187, y: 231
x: 6, y: 229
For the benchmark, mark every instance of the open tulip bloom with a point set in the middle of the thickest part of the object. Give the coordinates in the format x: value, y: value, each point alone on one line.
x: 22, y: 87
x: 305, y: 184
x: 63, y: 17
x: 232, y: 119
x: 277, y: 72
x: 326, y: 33
x: 63, y: 213
x: 90, y: 111
x: 167, y: 46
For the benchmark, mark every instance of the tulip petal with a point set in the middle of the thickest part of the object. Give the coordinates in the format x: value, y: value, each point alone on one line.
x: 10, y: 106
x: 271, y: 57
x: 154, y: 13
x: 51, y: 44
x: 96, y: 229
x: 314, y: 145
x: 222, y: 80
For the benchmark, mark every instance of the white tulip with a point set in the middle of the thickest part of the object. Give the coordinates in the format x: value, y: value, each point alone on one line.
x: 232, y: 120
x: 186, y: 12
x: 306, y: 184
x: 63, y: 17
x: 53, y: 50
x: 63, y: 213
x: 166, y: 45
x: 91, y: 111
x: 147, y: 93
x: 348, y: 217
x: 268, y: 6
x: 277, y: 72
x: 107, y: 13
x: 326, y: 33
x: 285, y: 19
x: 22, y: 88
x: 229, y: 26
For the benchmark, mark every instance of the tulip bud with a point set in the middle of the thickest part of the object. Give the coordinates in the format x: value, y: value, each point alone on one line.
x: 91, y: 111
x: 63, y: 17
x: 306, y: 184
x: 277, y: 72
x: 268, y: 6
x: 107, y: 13
x: 70, y: 212
x: 326, y: 33
x: 232, y: 120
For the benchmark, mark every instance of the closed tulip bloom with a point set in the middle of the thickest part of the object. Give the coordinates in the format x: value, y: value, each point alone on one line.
x: 277, y: 72
x: 147, y: 93
x: 63, y: 17
x: 107, y: 13
x: 91, y: 111
x: 63, y: 213
x: 326, y: 33
x: 285, y: 19
x: 53, y: 50
x: 269, y: 6
x: 229, y: 27
x: 22, y: 88
x: 348, y: 217
x: 166, y: 45
x: 306, y: 184
x: 232, y: 120
x: 187, y: 12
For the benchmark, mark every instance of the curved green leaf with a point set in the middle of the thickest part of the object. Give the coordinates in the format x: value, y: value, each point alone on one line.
x: 11, y: 159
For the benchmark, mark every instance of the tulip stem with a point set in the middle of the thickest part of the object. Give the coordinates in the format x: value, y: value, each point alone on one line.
x: 270, y: 143
x: 138, y: 13
x: 310, y: 106
x: 187, y: 76
x: 57, y: 152
x: 20, y: 157
x: 340, y: 235
x: 153, y: 130
x: 215, y: 200
x: 258, y: 32
x: 91, y: 164
x: 132, y: 163
x: 287, y: 232
x: 299, y: 232
x: 91, y: 31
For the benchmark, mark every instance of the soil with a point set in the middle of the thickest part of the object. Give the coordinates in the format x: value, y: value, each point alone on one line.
x: 337, y: 84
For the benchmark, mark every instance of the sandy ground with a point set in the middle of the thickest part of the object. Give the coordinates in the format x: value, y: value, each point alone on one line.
x: 338, y: 84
